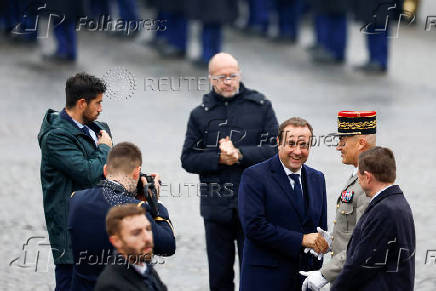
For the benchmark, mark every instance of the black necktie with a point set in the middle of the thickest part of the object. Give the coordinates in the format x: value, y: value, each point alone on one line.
x: 297, y: 191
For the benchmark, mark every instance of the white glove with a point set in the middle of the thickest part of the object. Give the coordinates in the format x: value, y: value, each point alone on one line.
x: 326, y: 235
x: 315, y: 281
x: 319, y: 256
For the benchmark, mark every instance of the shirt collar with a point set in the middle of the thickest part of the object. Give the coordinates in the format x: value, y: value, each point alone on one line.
x: 378, y: 193
x: 141, y: 269
x: 289, y: 172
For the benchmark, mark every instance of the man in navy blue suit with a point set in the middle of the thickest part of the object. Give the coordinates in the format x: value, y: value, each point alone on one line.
x: 281, y: 203
x: 381, y: 251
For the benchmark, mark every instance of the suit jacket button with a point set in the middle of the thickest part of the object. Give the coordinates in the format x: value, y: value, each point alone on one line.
x: 334, y: 221
x: 343, y: 212
x: 337, y: 205
x: 332, y: 253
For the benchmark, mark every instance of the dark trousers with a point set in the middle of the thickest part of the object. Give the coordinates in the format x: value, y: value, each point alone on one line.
x: 220, y: 243
x: 177, y: 30
x: 258, y: 14
x: 63, y: 274
x: 377, y: 42
x: 331, y: 33
x: 211, y: 40
x: 66, y: 39
x: 289, y: 15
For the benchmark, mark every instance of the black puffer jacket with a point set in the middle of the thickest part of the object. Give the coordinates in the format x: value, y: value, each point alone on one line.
x: 249, y: 120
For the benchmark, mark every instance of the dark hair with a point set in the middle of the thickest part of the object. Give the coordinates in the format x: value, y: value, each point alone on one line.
x: 123, y: 157
x: 117, y: 213
x: 296, y: 122
x: 380, y: 162
x: 83, y: 86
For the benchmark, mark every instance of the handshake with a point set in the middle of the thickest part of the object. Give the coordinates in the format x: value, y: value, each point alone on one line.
x: 317, y: 243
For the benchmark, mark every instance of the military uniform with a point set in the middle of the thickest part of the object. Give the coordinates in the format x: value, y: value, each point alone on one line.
x: 348, y: 212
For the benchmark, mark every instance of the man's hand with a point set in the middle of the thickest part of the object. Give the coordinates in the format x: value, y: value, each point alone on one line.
x: 326, y: 235
x: 316, y: 242
x: 156, y: 183
x: 318, y: 256
x: 229, y: 154
x: 314, y: 281
x: 104, y: 138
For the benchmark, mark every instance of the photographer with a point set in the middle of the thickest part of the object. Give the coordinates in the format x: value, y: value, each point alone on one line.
x: 88, y: 209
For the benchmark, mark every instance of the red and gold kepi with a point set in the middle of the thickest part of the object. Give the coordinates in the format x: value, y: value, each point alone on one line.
x: 356, y: 122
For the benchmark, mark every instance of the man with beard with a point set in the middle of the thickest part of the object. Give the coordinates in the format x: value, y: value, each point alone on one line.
x: 234, y: 128
x: 131, y: 234
x: 88, y: 209
x: 74, y: 147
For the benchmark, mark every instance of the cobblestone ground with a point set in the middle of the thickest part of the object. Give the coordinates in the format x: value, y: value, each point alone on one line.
x: 156, y: 120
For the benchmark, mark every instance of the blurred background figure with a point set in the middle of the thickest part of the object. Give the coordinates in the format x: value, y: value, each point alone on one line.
x: 18, y: 20
x: 289, y: 14
x: 171, y: 42
x: 64, y: 29
x: 376, y: 16
x: 258, y: 17
x: 330, y: 27
x: 212, y: 15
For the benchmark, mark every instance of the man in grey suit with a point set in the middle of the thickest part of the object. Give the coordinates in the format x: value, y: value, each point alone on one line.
x: 356, y: 130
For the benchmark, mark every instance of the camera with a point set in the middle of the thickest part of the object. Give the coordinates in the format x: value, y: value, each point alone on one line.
x: 148, y: 193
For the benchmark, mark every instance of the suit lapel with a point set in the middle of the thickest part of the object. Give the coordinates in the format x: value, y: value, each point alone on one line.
x: 279, y: 175
x: 308, y: 186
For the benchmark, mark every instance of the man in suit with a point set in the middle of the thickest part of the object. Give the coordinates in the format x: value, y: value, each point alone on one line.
x: 357, y: 133
x: 130, y: 233
x: 88, y: 209
x: 381, y: 252
x: 282, y: 201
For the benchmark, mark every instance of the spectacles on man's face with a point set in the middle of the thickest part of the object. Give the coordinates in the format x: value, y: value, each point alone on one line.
x: 223, y: 78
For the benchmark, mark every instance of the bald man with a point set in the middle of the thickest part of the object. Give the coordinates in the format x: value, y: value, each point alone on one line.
x: 234, y: 128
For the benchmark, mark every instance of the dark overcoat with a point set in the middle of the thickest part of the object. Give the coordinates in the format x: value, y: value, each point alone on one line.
x: 381, y: 251
x: 249, y: 120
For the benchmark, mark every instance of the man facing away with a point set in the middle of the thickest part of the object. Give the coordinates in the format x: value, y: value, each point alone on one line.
x: 130, y: 233
x: 74, y: 147
x: 88, y: 209
x: 231, y: 130
x: 381, y: 251
x: 282, y: 202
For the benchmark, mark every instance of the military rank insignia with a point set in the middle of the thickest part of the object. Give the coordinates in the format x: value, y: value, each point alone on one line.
x: 347, y: 196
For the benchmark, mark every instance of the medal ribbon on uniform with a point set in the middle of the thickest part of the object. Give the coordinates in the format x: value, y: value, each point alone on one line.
x: 347, y: 196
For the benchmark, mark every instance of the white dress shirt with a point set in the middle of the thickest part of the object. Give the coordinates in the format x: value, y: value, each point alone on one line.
x: 91, y: 132
x: 376, y: 194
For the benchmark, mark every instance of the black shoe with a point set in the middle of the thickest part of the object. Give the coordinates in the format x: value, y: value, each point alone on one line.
x: 58, y: 58
x: 170, y: 52
x: 200, y: 64
x: 371, y: 68
x: 322, y: 56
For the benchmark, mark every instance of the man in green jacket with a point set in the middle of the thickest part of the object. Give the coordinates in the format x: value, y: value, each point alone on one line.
x: 74, y: 148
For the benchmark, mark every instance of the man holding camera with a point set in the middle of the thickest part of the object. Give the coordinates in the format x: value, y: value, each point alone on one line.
x: 74, y: 147
x: 231, y: 130
x: 88, y: 209
x: 130, y: 232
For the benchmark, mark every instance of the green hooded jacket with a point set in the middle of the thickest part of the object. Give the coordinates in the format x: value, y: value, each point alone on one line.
x: 70, y: 161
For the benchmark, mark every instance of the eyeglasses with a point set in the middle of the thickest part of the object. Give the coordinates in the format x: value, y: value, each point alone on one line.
x: 222, y: 78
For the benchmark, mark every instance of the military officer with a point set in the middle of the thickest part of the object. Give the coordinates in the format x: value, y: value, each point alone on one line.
x: 356, y: 130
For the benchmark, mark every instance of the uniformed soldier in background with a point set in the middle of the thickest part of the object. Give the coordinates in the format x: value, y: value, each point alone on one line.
x: 356, y: 130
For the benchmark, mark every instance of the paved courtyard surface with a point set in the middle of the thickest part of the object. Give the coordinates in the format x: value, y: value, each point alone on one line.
x: 155, y: 120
